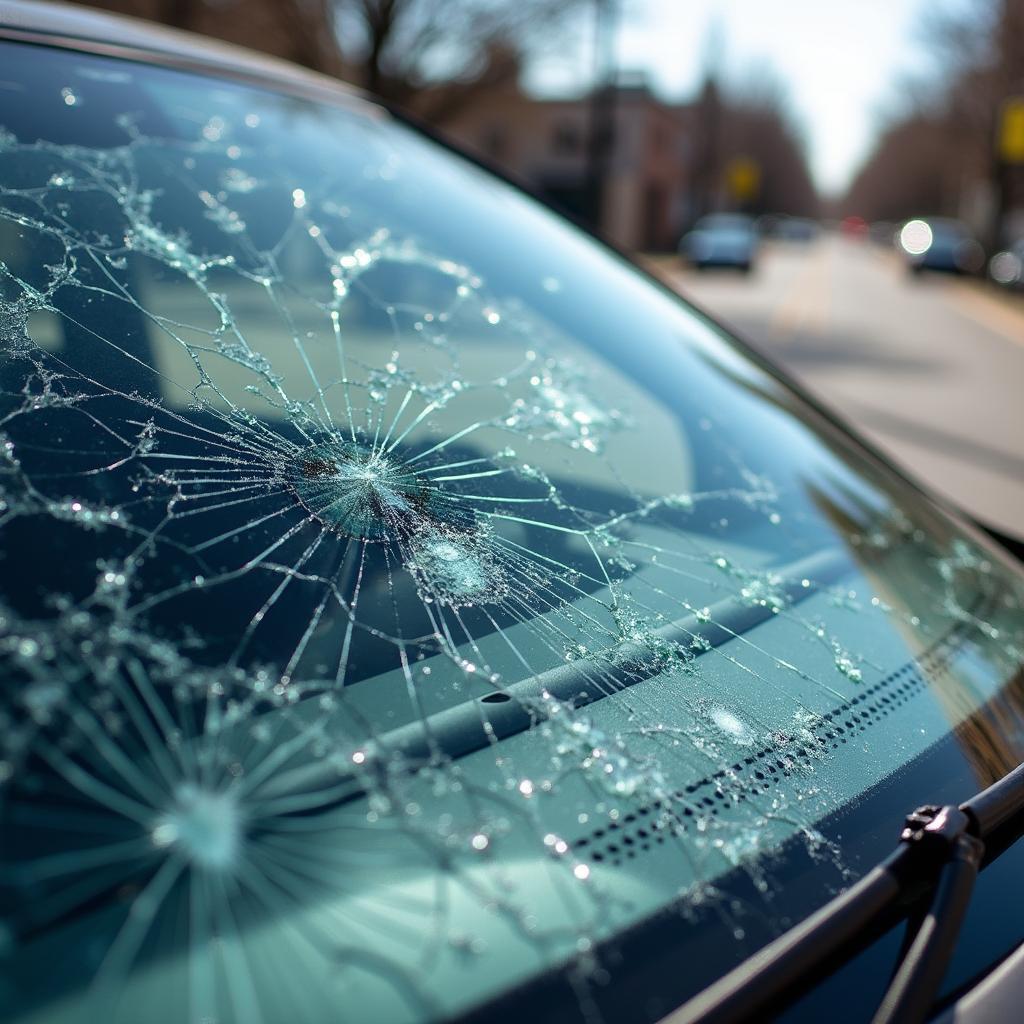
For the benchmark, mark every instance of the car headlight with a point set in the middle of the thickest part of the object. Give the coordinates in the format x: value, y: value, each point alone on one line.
x: 916, y: 237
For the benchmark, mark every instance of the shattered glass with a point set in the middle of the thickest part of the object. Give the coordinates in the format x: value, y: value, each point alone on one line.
x: 400, y: 597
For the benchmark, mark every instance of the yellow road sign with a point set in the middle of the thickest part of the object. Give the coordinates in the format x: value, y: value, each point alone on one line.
x: 743, y: 177
x: 1011, y: 131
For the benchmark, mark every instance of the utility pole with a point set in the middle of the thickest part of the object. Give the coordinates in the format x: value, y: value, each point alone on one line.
x: 706, y: 127
x: 706, y: 165
x: 601, y: 135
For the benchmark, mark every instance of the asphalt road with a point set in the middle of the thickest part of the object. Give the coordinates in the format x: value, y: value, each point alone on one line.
x: 931, y: 369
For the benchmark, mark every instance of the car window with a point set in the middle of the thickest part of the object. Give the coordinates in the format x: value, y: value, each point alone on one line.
x: 400, y: 596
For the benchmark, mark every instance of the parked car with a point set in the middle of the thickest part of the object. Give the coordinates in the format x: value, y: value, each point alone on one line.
x: 412, y: 611
x: 854, y: 227
x: 724, y: 240
x: 939, y: 243
x: 797, y: 229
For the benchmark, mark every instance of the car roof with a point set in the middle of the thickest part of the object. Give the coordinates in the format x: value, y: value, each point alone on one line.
x: 948, y: 225
x: 77, y: 27
x: 726, y: 220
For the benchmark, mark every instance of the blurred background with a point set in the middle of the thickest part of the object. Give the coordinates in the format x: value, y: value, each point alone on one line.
x: 842, y: 183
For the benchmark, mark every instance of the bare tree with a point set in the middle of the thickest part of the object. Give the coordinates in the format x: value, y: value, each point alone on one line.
x: 752, y: 123
x: 760, y: 124
x: 433, y: 56
x: 908, y: 173
x: 436, y: 56
x: 303, y: 31
x: 943, y: 146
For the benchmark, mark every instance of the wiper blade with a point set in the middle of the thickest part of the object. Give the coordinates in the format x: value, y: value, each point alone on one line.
x: 940, y: 852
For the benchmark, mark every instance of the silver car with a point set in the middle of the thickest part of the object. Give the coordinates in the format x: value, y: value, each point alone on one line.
x: 726, y: 240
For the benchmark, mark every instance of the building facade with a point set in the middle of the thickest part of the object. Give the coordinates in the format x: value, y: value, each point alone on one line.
x: 548, y: 144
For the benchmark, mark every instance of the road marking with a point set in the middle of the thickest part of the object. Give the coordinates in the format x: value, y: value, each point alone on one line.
x: 807, y: 304
x: 994, y: 313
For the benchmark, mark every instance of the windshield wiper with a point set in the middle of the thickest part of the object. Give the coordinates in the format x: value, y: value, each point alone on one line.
x: 940, y: 852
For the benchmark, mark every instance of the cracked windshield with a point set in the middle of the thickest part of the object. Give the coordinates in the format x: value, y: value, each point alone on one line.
x: 402, y: 599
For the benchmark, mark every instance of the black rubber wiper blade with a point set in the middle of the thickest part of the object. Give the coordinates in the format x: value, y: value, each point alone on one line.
x: 940, y: 852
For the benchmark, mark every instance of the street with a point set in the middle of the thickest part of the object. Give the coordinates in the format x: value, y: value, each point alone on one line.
x: 931, y: 369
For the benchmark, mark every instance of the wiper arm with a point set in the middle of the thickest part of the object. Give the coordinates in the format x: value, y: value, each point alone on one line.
x: 940, y: 852
x: 919, y: 975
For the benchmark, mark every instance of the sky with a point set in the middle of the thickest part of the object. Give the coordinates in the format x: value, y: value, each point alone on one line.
x: 842, y: 61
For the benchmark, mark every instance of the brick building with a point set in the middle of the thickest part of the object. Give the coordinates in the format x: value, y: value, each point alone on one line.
x: 546, y: 144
